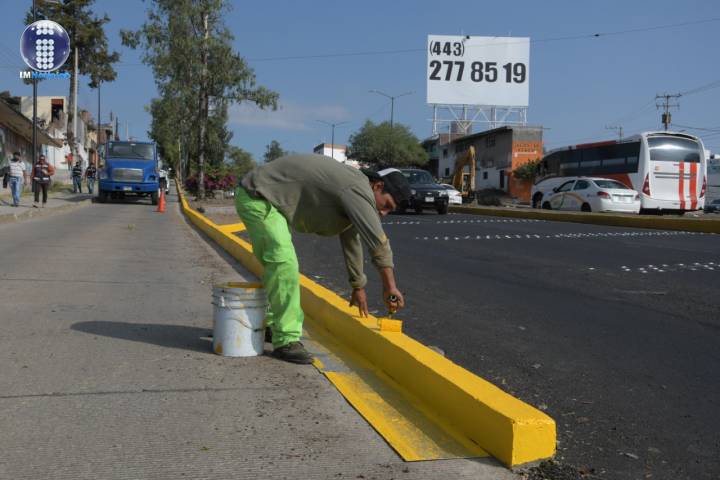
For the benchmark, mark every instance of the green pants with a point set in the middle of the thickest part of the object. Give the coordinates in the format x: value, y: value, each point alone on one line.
x: 272, y: 246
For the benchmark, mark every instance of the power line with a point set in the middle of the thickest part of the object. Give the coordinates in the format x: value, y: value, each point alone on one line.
x: 540, y: 40
x: 703, y: 88
x: 416, y: 50
x: 705, y: 129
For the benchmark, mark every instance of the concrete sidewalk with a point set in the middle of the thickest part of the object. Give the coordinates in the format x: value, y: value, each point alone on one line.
x: 60, y: 201
x: 107, y: 369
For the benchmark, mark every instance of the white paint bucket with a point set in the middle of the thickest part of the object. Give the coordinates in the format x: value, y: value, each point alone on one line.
x: 239, y: 318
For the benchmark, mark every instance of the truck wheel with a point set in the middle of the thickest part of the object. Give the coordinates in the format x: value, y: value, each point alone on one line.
x: 154, y: 197
x: 443, y: 209
x: 102, y: 196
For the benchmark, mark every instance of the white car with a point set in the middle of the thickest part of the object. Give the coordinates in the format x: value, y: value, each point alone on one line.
x: 585, y: 194
x: 454, y: 197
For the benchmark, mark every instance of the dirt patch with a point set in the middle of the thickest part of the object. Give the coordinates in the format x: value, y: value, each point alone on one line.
x: 553, y: 470
x: 220, y: 211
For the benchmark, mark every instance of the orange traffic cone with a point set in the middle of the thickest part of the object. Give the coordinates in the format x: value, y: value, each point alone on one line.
x: 161, y: 203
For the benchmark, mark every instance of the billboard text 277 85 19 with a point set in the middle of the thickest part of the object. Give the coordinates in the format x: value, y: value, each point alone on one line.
x: 465, y: 70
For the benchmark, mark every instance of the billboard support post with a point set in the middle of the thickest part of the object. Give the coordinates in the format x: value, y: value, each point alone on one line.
x: 465, y: 116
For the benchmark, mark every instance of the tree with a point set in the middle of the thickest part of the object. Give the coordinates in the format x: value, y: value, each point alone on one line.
x: 240, y: 160
x: 382, y: 146
x: 273, y: 151
x: 527, y: 171
x: 87, y: 36
x: 198, y: 75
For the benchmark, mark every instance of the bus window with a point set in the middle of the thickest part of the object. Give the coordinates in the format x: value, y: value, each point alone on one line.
x: 569, y: 162
x: 673, y: 149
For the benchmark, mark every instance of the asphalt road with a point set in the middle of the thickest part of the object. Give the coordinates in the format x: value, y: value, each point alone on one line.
x: 614, y: 332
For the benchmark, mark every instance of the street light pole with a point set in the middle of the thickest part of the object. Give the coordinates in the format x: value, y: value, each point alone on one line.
x: 97, y: 133
x: 392, y: 102
x: 332, y: 142
x: 34, y: 119
x: 392, y: 114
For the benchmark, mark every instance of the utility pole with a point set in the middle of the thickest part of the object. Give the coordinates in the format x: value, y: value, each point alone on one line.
x: 332, y: 142
x: 666, y: 118
x: 619, y: 129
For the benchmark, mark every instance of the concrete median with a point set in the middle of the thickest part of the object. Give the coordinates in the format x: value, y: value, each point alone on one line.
x: 704, y: 225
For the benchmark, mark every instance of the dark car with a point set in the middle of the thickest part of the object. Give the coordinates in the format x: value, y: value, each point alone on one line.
x: 426, y: 193
x: 713, y: 207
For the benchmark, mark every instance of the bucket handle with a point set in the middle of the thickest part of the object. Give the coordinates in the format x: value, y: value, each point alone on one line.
x: 242, y: 322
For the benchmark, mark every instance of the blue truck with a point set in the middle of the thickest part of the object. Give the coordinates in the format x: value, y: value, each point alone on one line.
x: 131, y: 169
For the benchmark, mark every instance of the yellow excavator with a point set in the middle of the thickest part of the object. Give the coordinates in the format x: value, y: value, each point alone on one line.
x: 462, y: 181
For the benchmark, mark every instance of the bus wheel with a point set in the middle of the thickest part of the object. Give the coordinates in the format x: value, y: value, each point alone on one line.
x: 585, y: 207
x: 546, y: 206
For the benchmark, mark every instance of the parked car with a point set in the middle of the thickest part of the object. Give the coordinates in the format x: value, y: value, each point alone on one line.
x: 426, y: 193
x: 544, y: 187
x: 586, y: 194
x: 713, y: 207
x: 454, y: 197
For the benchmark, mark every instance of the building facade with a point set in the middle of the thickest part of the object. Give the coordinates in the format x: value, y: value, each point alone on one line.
x: 338, y: 152
x: 497, y: 153
x: 16, y: 133
x: 52, y: 116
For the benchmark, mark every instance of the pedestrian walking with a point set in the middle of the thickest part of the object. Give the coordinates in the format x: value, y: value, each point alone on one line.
x: 77, y: 173
x: 41, y: 173
x: 90, y: 175
x: 17, y: 177
x: 315, y: 194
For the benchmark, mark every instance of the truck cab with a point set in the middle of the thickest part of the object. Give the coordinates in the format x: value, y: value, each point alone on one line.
x: 130, y: 169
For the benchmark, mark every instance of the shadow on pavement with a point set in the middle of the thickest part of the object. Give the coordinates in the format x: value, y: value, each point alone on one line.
x: 76, y: 197
x: 172, y: 336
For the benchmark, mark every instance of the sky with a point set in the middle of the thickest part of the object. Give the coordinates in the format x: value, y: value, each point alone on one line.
x: 579, y: 83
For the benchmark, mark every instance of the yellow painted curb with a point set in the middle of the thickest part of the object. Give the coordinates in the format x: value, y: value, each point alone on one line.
x: 461, y: 402
x: 632, y: 221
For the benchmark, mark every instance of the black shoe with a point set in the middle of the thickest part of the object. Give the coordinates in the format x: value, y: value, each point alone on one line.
x: 293, y: 352
x: 268, y: 335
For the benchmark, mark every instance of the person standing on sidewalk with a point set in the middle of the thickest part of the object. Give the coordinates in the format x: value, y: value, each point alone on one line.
x: 77, y: 174
x: 18, y: 176
x: 316, y: 194
x: 90, y: 174
x: 41, y: 173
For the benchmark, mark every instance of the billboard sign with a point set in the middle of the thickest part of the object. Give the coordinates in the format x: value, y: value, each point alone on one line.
x: 465, y: 70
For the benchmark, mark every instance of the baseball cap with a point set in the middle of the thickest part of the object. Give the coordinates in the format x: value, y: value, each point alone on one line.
x: 396, y: 184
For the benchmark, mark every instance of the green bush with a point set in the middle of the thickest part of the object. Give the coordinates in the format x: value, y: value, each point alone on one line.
x: 527, y: 171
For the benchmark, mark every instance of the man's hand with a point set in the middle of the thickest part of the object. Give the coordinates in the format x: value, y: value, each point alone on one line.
x: 394, y: 300
x: 359, y: 299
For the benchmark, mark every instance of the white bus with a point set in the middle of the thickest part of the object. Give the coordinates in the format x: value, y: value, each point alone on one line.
x: 668, y: 169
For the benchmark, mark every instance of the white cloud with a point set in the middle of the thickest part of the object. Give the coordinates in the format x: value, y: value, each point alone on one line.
x: 288, y: 116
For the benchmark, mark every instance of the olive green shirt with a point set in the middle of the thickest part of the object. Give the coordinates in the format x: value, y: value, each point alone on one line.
x: 317, y: 194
